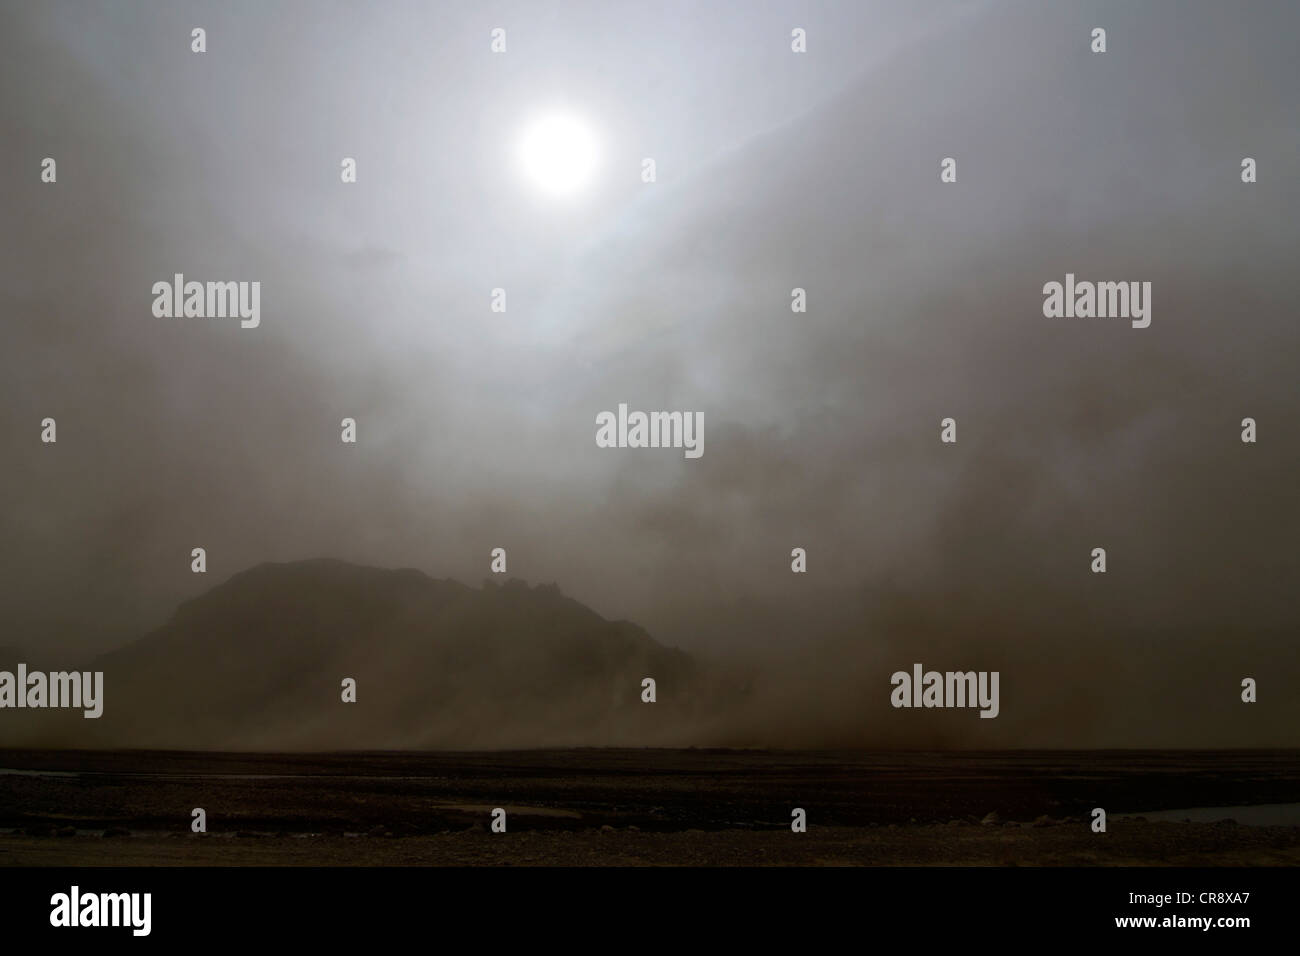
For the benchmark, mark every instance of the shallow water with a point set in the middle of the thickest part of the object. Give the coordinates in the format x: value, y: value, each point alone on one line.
x: 1256, y: 815
x: 6, y: 771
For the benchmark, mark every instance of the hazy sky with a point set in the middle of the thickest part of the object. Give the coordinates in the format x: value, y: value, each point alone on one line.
x: 775, y: 170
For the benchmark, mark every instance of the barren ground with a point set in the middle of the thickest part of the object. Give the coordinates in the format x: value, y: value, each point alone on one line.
x: 637, y: 807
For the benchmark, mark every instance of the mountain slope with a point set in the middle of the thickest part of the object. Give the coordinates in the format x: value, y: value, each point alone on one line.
x: 258, y: 662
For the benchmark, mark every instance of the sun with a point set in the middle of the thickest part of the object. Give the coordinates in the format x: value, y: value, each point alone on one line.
x: 558, y: 153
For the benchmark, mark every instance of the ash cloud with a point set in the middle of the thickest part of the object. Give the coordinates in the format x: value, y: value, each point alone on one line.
x: 822, y: 172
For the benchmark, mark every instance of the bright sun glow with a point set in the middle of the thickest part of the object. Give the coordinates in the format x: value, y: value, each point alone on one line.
x: 558, y: 154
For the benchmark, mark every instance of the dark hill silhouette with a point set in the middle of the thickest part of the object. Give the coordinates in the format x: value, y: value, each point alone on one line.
x: 257, y: 663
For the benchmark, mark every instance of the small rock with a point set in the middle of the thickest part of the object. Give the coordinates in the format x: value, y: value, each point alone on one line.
x: 606, y: 829
x: 66, y: 831
x: 991, y: 819
x: 115, y: 832
x: 1042, y: 821
x: 377, y: 831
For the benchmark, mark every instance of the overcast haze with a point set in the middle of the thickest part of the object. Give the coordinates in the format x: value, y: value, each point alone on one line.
x: 775, y: 170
